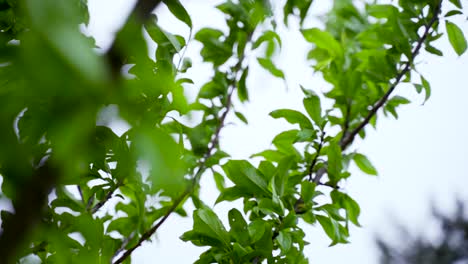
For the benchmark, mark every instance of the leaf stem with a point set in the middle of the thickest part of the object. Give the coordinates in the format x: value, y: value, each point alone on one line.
x: 314, y: 162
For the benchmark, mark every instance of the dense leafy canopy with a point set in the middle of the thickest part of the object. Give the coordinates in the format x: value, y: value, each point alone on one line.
x: 62, y: 164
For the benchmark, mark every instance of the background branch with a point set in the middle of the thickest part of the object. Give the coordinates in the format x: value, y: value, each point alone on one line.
x: 348, y: 139
x: 27, y: 211
x: 115, y: 56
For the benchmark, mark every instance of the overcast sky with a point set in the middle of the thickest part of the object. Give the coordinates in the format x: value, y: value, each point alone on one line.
x: 420, y: 157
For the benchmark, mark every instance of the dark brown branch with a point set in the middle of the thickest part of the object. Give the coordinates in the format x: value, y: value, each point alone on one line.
x: 115, y: 56
x: 32, y: 198
x: 348, y: 139
x: 312, y: 164
x: 347, y: 119
x: 116, y: 59
x: 107, y: 198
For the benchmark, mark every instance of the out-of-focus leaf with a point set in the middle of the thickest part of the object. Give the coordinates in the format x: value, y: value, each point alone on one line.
x: 323, y: 40
x: 268, y: 65
x: 178, y: 10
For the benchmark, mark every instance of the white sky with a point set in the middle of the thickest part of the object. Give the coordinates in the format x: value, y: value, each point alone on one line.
x: 422, y: 156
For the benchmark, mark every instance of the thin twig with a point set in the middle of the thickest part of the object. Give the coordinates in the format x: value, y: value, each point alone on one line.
x: 107, y: 198
x: 348, y: 139
x: 347, y: 120
x: 115, y: 57
x: 182, y: 56
x: 312, y: 164
x: 201, y: 168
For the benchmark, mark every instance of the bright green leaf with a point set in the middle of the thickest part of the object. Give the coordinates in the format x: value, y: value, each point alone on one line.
x: 323, y: 40
x: 334, y: 162
x: 293, y: 117
x: 364, y: 164
x: 242, y: 91
x: 456, y: 37
x: 178, y: 10
x: 313, y: 108
x: 245, y: 176
x: 285, y: 241
x: 268, y: 65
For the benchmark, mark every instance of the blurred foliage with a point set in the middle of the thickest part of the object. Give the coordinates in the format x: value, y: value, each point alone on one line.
x: 450, y: 247
x: 83, y: 193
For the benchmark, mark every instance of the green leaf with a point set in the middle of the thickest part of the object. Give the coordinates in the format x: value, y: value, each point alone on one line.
x: 207, y: 224
x: 307, y: 190
x: 382, y: 11
x: 214, y: 50
x: 427, y: 88
x: 306, y: 135
x: 453, y: 13
x: 123, y: 225
x: 219, y: 180
x: 268, y: 65
x: 256, y: 230
x: 327, y: 226
x: 433, y: 50
x: 293, y: 117
x: 456, y: 37
x: 324, y: 40
x: 285, y: 241
x: 267, y: 36
x: 364, y: 164
x: 162, y: 37
x: 398, y: 100
x: 242, y: 91
x: 346, y: 202
x: 162, y: 154
x: 270, y: 155
x: 313, y: 108
x: 245, y: 176
x: 241, y: 117
x: 334, y: 162
x: 239, y: 230
x: 290, y: 221
x: 457, y: 3
x: 352, y: 207
x: 218, y: 86
x: 282, y: 174
x: 232, y: 194
x: 178, y: 10
x: 264, y: 245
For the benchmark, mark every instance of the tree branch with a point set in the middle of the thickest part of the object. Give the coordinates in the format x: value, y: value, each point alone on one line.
x: 312, y: 165
x: 141, y: 12
x: 28, y: 208
x: 201, y: 168
x: 107, y: 198
x: 347, y: 119
x: 348, y: 139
